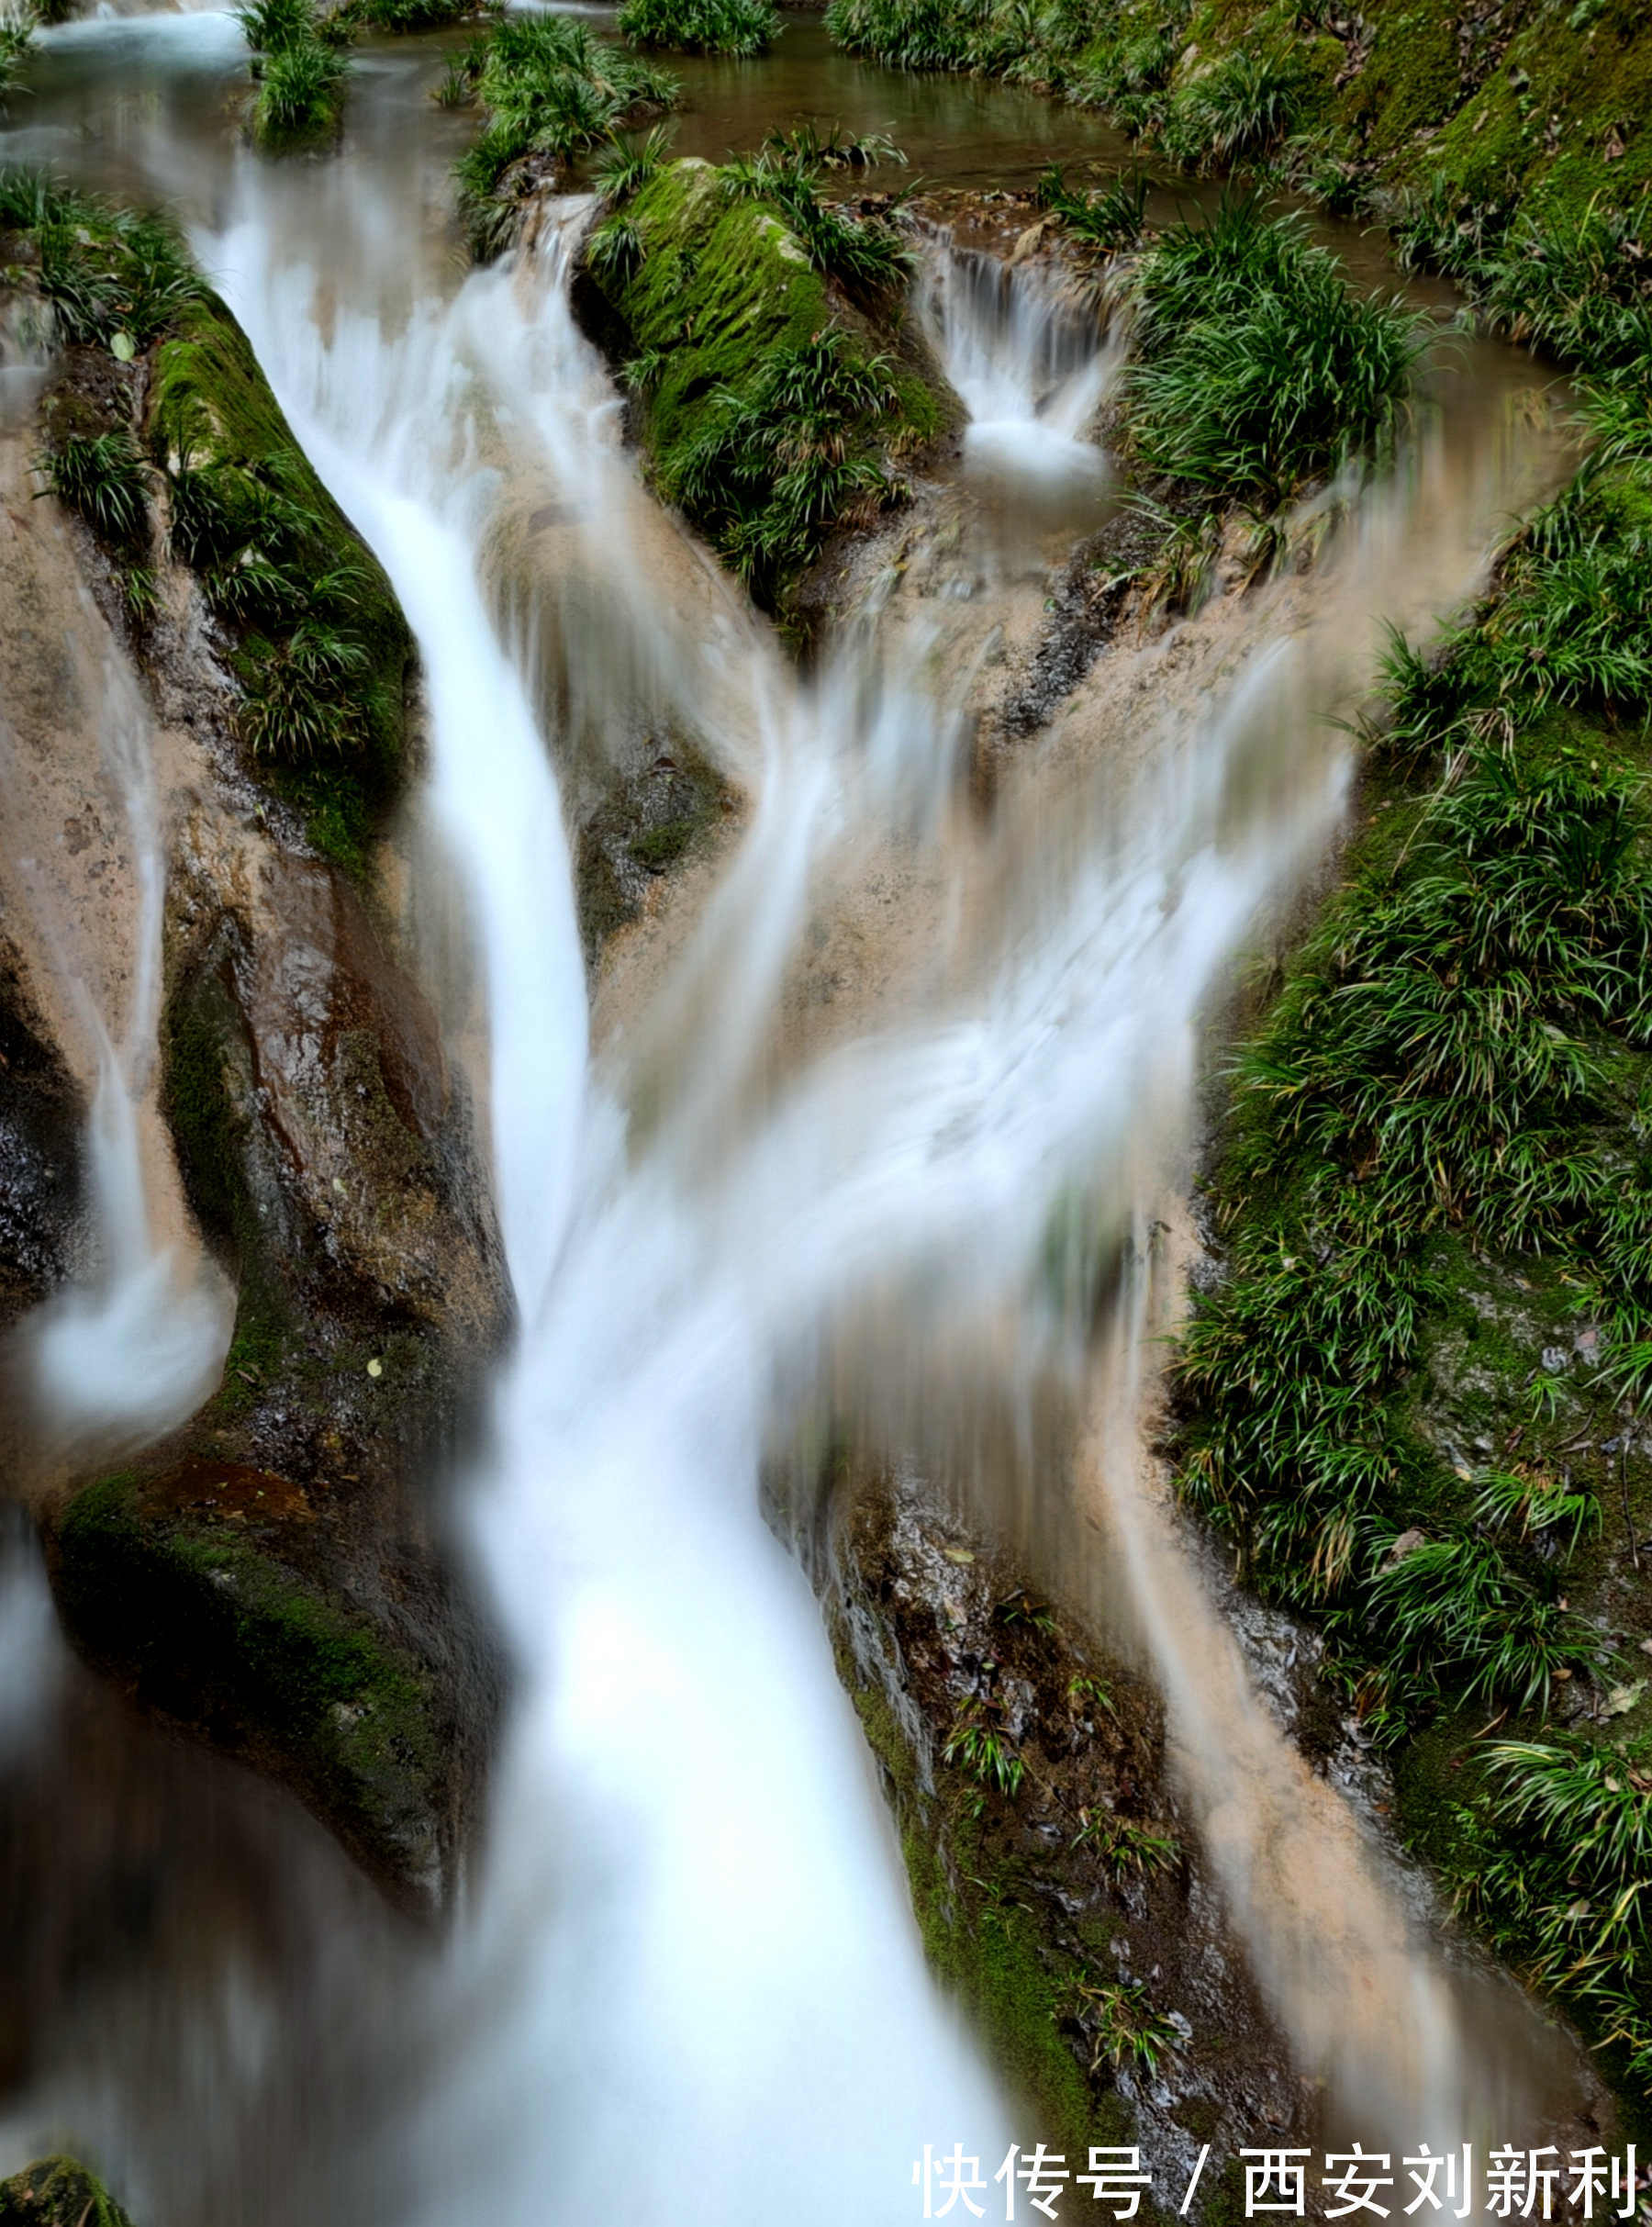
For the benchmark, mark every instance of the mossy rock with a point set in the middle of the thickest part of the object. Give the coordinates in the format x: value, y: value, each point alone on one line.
x: 165, y: 1582
x: 719, y: 289
x: 58, y: 2192
x: 211, y: 408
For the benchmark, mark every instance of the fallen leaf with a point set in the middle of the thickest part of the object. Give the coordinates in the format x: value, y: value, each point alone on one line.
x: 121, y: 348
x: 1623, y: 1698
x: 958, y: 1554
x: 376, y: 1367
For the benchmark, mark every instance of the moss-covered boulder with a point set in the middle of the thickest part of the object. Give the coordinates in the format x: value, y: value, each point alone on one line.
x: 204, y: 1588
x: 161, y: 432
x: 58, y: 2192
x: 316, y: 639
x: 777, y: 379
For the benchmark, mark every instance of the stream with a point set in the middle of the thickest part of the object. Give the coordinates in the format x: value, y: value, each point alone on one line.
x: 791, y: 1160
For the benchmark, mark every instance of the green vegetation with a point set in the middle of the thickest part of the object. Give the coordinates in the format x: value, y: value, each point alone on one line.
x: 1255, y: 369
x: 1119, y: 2023
x: 1127, y: 1847
x: 105, y: 476
x: 58, y: 2192
x: 739, y: 300
x: 980, y: 1746
x: 300, y: 71
x: 111, y: 278
x: 867, y: 258
x: 742, y: 27
x: 1113, y: 218
x: 400, y: 17
x: 321, y: 650
x: 1238, y: 110
x: 1347, y: 105
x: 551, y: 90
x: 17, y: 36
x: 1450, y: 1105
x: 982, y: 1939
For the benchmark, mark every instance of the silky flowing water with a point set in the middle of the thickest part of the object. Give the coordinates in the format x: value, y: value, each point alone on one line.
x: 685, y: 1984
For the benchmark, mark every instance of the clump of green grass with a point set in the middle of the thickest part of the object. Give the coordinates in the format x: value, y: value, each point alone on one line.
x: 983, y: 1749
x: 300, y: 71
x: 910, y: 34
x: 551, y: 89
x: 17, y: 36
x: 1119, y: 2023
x: 111, y: 278
x: 1124, y: 1846
x: 776, y: 466
x: 1238, y: 110
x: 1557, y: 1871
x: 456, y: 87
x: 1258, y: 371
x: 105, y: 478
x: 401, y: 17
x: 741, y: 28
x: 629, y: 163
x: 1112, y: 220
x: 298, y: 93
x: 266, y: 557
x: 867, y: 256
x: 1572, y: 280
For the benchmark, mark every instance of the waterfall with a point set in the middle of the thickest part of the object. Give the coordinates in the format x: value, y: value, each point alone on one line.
x: 691, y: 1919
x: 130, y: 1351
x: 693, y: 1922
x: 686, y: 1985
x: 1021, y: 352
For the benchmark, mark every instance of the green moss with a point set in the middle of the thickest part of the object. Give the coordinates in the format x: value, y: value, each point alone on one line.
x: 278, y: 557
x: 58, y: 2192
x: 720, y: 298
x: 212, y: 1629
x: 718, y: 288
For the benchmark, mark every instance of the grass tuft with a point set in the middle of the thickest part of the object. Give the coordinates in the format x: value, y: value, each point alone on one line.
x: 105, y: 477
x: 741, y: 28
x: 1258, y: 370
x: 550, y: 89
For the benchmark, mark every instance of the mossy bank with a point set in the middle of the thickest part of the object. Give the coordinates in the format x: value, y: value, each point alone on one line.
x: 778, y: 388
x: 1060, y: 1899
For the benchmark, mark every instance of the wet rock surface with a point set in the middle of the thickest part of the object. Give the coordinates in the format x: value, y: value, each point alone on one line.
x: 39, y: 1151
x: 1058, y: 1891
x: 294, y: 1602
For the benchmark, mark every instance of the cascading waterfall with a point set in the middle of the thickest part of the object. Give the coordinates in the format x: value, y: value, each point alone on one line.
x: 688, y: 1986
x: 1022, y: 352
x: 134, y: 1348
x: 691, y: 1921
x: 694, y: 1923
